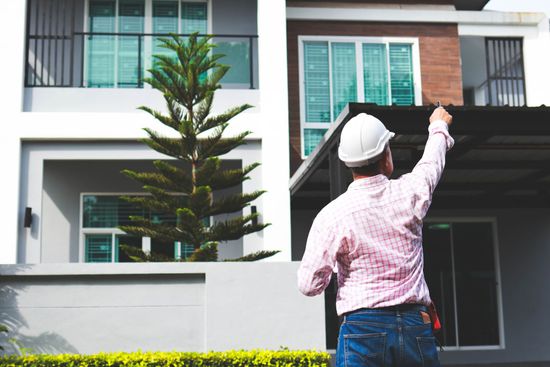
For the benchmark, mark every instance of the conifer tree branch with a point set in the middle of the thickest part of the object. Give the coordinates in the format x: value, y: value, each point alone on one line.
x: 233, y: 203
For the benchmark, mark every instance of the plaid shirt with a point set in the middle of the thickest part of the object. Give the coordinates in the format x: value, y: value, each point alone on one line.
x: 372, y: 236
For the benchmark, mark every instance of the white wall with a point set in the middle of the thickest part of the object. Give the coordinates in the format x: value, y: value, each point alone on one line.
x: 12, y: 38
x: 536, y: 53
x: 184, y: 307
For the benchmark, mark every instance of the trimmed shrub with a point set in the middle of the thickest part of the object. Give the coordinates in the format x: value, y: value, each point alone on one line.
x: 254, y: 358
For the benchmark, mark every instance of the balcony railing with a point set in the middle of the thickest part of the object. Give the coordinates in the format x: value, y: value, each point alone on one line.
x: 121, y: 60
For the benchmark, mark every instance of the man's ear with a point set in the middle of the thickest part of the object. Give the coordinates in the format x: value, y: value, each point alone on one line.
x: 386, y: 163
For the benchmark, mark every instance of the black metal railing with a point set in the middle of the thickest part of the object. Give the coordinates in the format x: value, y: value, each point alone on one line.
x: 120, y: 60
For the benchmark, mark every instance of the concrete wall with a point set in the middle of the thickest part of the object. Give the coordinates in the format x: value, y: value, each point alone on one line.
x: 121, y: 100
x: 199, y: 307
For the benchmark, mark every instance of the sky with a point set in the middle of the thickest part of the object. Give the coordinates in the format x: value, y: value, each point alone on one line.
x: 520, y: 5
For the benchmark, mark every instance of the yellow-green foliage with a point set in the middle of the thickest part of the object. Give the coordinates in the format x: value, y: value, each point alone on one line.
x: 254, y: 358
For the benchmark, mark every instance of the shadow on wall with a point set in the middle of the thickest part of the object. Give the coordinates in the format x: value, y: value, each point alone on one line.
x: 16, y: 341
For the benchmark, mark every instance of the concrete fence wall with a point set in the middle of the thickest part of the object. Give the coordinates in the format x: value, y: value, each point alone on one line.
x: 89, y: 308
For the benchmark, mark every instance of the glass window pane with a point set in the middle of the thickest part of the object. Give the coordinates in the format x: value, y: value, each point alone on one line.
x: 101, y: 48
x: 193, y: 17
x: 98, y: 248
x: 130, y: 48
x: 163, y: 248
x: 120, y: 255
x: 312, y: 137
x: 375, y: 73
x: 475, y: 284
x: 186, y: 250
x: 107, y: 211
x: 316, y: 80
x: 401, y: 74
x: 438, y: 271
x: 165, y: 16
x: 100, y: 211
x: 344, y: 76
x: 237, y: 56
x: 165, y: 20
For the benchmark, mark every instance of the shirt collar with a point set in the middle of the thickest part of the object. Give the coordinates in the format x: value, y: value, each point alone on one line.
x: 368, y: 182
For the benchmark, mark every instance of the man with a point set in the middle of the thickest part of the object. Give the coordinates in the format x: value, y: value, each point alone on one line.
x: 372, y: 237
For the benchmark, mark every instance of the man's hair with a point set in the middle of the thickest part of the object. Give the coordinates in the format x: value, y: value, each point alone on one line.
x: 368, y: 170
x: 371, y: 169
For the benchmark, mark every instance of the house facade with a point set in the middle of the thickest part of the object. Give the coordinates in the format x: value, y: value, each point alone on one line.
x: 76, y: 123
x: 76, y: 79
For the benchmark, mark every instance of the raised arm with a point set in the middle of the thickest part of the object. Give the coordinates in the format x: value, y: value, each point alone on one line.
x: 426, y: 174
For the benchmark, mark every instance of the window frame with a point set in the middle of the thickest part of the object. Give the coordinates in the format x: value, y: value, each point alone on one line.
x: 147, y: 29
x: 106, y: 230
x: 498, y: 279
x: 83, y: 231
x: 358, y: 40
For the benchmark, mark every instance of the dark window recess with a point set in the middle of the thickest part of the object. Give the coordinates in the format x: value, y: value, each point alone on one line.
x: 332, y: 322
x: 475, y: 284
x: 438, y: 271
x: 163, y: 248
x: 505, y: 71
x: 130, y: 241
x: 472, y: 318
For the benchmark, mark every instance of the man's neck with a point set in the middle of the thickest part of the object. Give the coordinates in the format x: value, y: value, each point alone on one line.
x: 360, y: 177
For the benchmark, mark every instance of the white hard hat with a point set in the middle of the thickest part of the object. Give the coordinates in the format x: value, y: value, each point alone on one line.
x: 363, y: 140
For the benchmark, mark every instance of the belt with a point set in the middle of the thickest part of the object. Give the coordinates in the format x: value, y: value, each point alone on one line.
x: 401, y: 308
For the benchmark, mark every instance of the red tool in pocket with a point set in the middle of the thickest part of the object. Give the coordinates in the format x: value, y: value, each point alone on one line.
x: 436, y: 325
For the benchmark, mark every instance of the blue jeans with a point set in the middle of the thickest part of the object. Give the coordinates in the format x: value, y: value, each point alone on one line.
x: 381, y: 337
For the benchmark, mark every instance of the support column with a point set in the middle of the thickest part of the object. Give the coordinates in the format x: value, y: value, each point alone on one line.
x: 275, y: 130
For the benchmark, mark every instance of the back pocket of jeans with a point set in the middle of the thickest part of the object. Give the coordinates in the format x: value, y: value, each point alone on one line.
x: 428, y: 351
x: 364, y: 349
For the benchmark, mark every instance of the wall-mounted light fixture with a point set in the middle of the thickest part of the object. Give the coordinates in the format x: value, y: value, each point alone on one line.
x: 28, y: 217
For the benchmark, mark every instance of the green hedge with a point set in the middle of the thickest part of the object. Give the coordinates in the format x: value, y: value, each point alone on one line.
x: 254, y: 358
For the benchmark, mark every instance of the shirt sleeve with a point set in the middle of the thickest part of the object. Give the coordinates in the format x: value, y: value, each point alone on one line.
x: 426, y: 174
x: 319, y: 259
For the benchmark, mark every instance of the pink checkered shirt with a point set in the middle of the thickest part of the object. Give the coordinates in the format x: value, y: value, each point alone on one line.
x: 372, y: 236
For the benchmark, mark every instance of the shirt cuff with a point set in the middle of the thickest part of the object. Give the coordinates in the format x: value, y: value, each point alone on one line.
x: 440, y: 126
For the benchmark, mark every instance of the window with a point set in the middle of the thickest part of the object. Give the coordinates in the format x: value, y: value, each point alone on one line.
x: 338, y: 70
x: 101, y: 238
x: 460, y: 266
x: 505, y: 72
x: 118, y: 60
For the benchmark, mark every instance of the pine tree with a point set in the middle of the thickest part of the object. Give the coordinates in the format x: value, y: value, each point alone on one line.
x: 184, y: 188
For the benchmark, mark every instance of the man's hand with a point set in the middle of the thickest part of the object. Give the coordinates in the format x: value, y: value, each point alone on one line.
x: 441, y: 114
